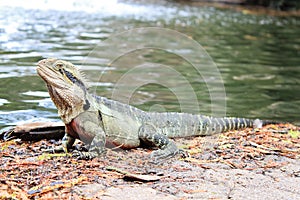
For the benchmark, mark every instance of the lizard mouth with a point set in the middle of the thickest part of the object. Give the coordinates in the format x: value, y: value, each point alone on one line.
x: 40, y: 70
x: 44, y: 67
x: 45, y: 71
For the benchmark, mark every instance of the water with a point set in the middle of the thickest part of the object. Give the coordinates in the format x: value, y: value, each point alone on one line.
x: 255, y: 57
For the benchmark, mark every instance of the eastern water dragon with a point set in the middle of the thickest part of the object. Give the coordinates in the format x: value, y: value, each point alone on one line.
x: 97, y: 121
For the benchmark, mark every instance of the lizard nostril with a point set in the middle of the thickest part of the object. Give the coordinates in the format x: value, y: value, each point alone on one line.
x: 42, y: 62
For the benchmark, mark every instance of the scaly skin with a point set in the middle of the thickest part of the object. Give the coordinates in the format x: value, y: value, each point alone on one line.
x: 97, y: 120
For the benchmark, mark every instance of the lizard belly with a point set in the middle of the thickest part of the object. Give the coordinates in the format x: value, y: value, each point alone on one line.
x: 86, y: 126
x: 76, y: 130
x: 121, y: 132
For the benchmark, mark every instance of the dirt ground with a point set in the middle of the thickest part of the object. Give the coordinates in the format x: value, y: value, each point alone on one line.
x: 248, y: 164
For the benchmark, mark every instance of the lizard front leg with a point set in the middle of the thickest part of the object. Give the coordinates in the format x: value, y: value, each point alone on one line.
x: 96, y: 148
x: 88, y: 128
x: 67, y: 143
x: 167, y: 147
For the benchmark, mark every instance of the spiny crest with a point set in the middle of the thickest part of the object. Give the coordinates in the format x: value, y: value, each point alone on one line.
x: 83, y: 78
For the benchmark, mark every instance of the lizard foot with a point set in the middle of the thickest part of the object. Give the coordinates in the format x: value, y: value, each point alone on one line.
x: 83, y: 155
x: 169, y: 151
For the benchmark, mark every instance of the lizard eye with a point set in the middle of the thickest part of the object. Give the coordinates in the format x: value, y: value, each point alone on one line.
x: 58, y: 66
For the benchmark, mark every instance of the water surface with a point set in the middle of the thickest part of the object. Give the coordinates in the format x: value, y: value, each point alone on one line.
x: 257, y: 58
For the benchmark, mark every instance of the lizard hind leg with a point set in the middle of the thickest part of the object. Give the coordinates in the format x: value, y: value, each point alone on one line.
x: 167, y: 147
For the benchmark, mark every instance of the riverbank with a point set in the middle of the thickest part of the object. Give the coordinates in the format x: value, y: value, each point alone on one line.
x: 244, y: 6
x: 248, y: 164
x: 283, y: 5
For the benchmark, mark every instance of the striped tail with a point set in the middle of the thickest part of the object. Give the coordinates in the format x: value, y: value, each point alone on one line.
x: 218, y: 125
x: 233, y: 123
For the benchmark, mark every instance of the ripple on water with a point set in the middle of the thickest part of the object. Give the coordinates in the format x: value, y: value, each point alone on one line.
x: 45, y: 102
x: 10, y: 118
x: 16, y: 71
x: 36, y: 93
x: 254, y: 77
x: 280, y: 111
x: 3, y: 101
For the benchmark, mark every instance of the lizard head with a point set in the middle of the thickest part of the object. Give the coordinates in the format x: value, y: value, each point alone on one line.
x: 66, y: 86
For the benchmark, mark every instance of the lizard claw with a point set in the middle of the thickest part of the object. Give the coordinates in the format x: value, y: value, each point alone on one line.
x: 83, y: 155
x: 55, y: 150
x: 80, y: 155
x: 183, y: 153
x: 161, y: 154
